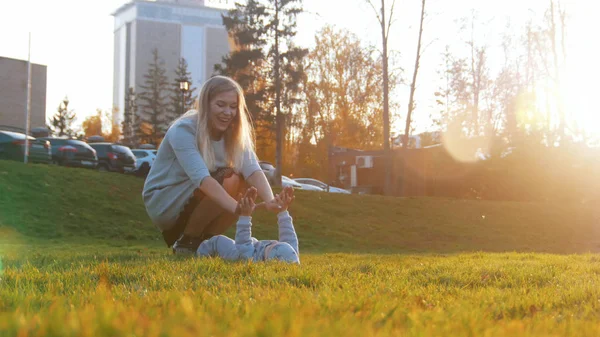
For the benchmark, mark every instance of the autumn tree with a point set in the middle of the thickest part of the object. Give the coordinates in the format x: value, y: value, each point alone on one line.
x: 92, y: 125
x: 101, y: 124
x: 342, y: 101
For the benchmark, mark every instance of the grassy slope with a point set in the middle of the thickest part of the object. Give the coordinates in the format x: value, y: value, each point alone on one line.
x: 75, y: 205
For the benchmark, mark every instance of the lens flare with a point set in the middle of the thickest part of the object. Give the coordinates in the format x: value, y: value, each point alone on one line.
x: 9, y: 245
x: 464, y: 149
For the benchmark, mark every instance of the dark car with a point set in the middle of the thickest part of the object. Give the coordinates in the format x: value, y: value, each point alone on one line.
x: 72, y: 152
x: 114, y: 157
x: 12, y: 147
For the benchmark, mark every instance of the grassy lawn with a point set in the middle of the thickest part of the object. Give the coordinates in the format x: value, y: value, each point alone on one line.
x: 90, y: 291
x: 79, y: 257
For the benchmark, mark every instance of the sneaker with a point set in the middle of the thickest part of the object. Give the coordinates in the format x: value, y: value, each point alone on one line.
x: 187, y: 245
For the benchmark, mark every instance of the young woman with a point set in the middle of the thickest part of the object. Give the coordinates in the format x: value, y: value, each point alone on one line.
x: 206, y: 157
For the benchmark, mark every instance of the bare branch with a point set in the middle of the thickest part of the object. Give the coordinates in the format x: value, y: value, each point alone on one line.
x: 390, y: 21
x: 375, y: 10
x: 429, y: 44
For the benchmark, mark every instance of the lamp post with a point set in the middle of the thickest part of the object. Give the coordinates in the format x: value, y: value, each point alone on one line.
x: 27, y: 104
x: 184, y: 86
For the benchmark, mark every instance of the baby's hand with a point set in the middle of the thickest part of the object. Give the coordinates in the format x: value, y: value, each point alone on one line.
x: 246, y: 203
x: 285, y: 198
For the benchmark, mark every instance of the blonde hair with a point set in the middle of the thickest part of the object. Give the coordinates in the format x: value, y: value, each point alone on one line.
x: 239, y: 136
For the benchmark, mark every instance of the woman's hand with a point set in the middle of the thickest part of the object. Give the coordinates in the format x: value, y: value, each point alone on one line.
x: 280, y: 202
x: 273, y: 205
x: 258, y: 180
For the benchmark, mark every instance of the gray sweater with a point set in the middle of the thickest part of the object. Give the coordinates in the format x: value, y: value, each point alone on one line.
x: 245, y: 247
x: 179, y: 169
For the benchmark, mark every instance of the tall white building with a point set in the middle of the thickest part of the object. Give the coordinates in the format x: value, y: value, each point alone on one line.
x: 192, y: 29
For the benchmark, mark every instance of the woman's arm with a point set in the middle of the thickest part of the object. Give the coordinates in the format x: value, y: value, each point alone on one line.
x: 217, y: 193
x: 259, y: 180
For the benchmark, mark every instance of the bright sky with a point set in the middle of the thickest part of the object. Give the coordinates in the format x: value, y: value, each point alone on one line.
x: 74, y: 38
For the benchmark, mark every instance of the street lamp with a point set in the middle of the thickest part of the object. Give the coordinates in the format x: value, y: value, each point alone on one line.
x: 184, y: 86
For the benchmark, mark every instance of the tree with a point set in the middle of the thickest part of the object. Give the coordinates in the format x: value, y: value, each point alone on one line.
x: 98, y: 125
x: 266, y: 63
x: 552, y: 32
x: 470, y: 84
x: 550, y: 57
x: 61, y: 124
x: 114, y: 134
x: 413, y: 84
x: 443, y: 94
x: 129, y: 115
x: 345, y: 91
x: 181, y: 102
x: 385, y: 32
x: 92, y: 125
x: 153, y: 104
x: 342, y: 101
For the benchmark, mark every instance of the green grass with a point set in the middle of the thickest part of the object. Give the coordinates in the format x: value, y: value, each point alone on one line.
x: 92, y: 292
x: 79, y: 257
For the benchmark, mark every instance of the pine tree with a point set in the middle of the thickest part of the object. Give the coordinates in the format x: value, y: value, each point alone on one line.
x: 181, y: 102
x: 154, y: 105
x: 61, y: 124
x: 266, y: 63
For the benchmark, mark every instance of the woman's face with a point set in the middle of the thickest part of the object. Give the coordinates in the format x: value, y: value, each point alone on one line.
x: 223, y: 110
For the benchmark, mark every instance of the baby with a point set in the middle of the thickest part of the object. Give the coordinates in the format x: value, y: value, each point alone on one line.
x: 245, y: 247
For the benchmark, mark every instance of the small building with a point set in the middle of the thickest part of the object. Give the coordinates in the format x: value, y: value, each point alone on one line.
x: 13, y: 95
x: 426, y: 171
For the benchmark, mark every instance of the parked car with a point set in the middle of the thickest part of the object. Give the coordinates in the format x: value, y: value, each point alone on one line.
x: 269, y: 171
x: 12, y: 147
x: 144, y: 159
x: 72, y: 152
x: 321, y: 185
x: 114, y: 157
x: 285, y: 181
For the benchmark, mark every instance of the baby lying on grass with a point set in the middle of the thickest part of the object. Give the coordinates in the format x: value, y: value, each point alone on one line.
x: 245, y: 247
